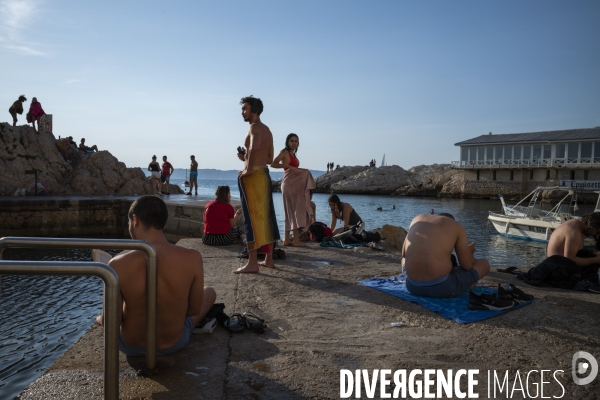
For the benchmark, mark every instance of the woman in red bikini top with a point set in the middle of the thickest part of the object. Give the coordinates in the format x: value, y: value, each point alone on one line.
x: 285, y: 159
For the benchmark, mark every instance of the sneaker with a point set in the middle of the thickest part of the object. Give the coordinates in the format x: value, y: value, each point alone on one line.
x: 196, y: 194
x: 509, y: 291
x: 488, y: 302
x: 594, y: 288
x: 206, y: 326
x: 188, y: 193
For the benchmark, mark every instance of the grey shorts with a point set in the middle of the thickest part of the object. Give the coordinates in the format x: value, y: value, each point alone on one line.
x: 450, y: 285
x: 136, y: 351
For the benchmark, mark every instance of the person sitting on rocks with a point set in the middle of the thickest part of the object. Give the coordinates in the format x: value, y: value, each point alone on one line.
x: 182, y: 300
x: 85, y: 148
x: 63, y: 147
x: 220, y: 220
x: 427, y: 257
x: 17, y: 108
x: 35, y: 113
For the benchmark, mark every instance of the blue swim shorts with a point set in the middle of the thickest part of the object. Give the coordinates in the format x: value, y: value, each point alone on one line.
x: 450, y: 285
x: 135, y: 351
x: 193, y: 174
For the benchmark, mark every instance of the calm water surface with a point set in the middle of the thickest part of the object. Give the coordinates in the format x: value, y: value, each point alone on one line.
x: 41, y: 317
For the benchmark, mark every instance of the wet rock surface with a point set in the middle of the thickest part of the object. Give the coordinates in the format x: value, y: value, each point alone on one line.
x: 320, y: 320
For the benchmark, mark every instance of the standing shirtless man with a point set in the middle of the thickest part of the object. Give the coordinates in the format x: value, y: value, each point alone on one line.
x: 256, y: 188
x: 182, y: 300
x: 193, y: 175
x: 427, y: 252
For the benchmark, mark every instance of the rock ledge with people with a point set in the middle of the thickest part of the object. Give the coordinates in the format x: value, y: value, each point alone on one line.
x: 63, y: 169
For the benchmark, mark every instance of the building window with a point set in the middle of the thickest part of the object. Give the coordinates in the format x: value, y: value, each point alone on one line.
x: 494, y: 176
x: 586, y: 151
x: 517, y: 153
x: 556, y: 174
x: 597, y: 152
x: 531, y: 174
x: 480, y: 153
x: 477, y: 174
x: 547, y: 151
x: 512, y: 175
x: 473, y: 155
x: 586, y: 175
x: 499, y: 154
x: 547, y: 174
x: 573, y: 152
x: 489, y: 153
x: 526, y: 153
x: 508, y: 152
x: 464, y: 156
x: 560, y: 150
x: 572, y: 175
x: 537, y: 152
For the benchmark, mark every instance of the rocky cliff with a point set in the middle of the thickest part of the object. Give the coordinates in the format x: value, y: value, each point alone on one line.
x: 100, y: 173
x: 421, y: 180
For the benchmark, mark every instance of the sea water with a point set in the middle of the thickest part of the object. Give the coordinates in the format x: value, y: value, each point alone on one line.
x: 41, y: 317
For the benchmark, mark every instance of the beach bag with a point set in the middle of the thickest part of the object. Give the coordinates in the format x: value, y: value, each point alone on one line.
x: 371, y: 237
x: 318, y: 230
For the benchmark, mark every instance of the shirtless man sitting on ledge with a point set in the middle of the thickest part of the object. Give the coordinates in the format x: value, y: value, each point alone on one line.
x: 182, y: 300
x: 426, y: 255
x: 568, y: 238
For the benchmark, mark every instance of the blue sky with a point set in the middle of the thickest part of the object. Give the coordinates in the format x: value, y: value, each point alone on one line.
x: 354, y: 79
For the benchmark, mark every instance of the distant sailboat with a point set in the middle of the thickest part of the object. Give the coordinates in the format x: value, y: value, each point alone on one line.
x: 383, y: 162
x: 186, y: 183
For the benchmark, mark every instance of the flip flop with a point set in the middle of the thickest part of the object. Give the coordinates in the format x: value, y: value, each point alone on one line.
x: 254, y: 323
x: 510, y: 270
x: 235, y: 323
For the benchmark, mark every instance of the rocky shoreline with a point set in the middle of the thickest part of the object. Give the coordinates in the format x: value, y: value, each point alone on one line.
x: 99, y: 173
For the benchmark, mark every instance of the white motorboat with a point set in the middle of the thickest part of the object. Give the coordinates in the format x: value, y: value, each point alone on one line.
x: 531, y: 222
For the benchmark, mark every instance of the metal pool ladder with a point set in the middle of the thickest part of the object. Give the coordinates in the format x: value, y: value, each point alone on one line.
x: 112, y: 290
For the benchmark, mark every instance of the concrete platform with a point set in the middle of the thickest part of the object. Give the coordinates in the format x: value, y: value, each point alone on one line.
x: 320, y: 321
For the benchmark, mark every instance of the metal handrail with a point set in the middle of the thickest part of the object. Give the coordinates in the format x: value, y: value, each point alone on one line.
x: 111, y: 305
x: 115, y: 244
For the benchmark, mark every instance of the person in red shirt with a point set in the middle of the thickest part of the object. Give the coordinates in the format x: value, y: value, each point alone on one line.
x: 166, y: 172
x: 220, y: 220
x: 35, y: 113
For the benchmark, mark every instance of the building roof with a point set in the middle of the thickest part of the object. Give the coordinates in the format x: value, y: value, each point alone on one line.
x: 549, y: 136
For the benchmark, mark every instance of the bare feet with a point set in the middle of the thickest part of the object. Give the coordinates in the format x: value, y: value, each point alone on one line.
x: 268, y: 265
x: 287, y: 243
x: 298, y: 244
x: 247, y: 269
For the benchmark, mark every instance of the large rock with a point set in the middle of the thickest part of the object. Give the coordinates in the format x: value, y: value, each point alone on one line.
x: 439, y: 174
x: 455, y: 187
x: 325, y: 181
x: 100, y: 173
x: 393, y: 235
x: 382, y: 180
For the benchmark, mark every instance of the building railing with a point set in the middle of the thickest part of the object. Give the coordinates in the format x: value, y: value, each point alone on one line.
x: 107, y: 244
x: 572, y: 163
x: 111, y: 306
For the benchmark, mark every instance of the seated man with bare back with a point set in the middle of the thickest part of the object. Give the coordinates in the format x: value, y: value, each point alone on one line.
x: 426, y: 257
x: 568, y: 238
x: 182, y: 299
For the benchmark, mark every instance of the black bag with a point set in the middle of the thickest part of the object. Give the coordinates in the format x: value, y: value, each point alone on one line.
x: 371, y: 237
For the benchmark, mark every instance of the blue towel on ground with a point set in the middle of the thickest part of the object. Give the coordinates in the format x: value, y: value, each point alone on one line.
x: 331, y: 243
x: 454, y: 307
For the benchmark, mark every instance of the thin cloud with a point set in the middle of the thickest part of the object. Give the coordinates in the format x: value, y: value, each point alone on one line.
x: 72, y: 81
x: 15, y: 17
